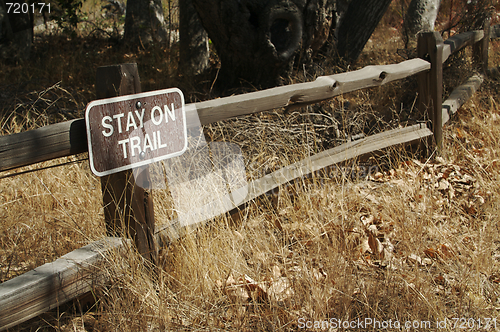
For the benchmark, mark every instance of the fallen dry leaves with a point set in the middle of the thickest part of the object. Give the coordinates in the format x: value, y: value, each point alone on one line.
x: 438, y: 191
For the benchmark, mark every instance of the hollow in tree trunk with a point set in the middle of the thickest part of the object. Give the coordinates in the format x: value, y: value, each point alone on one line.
x: 259, y: 42
x: 254, y: 39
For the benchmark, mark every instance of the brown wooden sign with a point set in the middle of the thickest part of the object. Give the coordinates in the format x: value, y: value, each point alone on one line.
x: 135, y: 130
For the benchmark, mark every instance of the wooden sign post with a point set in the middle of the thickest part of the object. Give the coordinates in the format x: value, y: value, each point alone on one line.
x: 430, y: 84
x: 128, y: 208
x: 480, y: 49
x: 136, y: 130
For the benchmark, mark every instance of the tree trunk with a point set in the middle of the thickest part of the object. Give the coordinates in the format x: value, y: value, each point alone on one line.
x: 194, y: 51
x: 358, y: 24
x: 254, y: 39
x: 259, y: 41
x: 340, y: 10
x: 16, y: 34
x: 144, y: 23
x: 6, y: 33
x: 420, y: 17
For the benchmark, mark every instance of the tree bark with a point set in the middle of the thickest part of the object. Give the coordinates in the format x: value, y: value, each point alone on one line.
x: 319, y: 19
x: 358, y: 24
x: 194, y: 51
x: 144, y: 23
x: 260, y: 41
x: 254, y: 39
x: 420, y: 17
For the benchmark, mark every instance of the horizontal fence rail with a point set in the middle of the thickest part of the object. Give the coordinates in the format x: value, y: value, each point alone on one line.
x: 50, y: 142
x: 54, y: 283
x: 304, y: 169
x: 457, y: 42
x: 495, y: 31
x: 69, y: 138
x: 460, y: 95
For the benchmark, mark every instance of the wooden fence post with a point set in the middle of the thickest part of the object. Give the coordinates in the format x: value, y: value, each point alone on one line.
x: 480, y: 49
x: 430, y: 84
x: 128, y: 208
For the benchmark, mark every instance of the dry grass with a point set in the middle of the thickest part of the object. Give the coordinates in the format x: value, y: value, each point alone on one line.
x: 416, y: 240
x: 46, y: 214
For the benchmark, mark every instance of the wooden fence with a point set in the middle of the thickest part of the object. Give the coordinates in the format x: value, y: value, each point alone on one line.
x: 70, y: 276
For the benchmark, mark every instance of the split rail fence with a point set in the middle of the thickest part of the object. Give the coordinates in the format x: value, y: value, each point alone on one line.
x: 70, y: 276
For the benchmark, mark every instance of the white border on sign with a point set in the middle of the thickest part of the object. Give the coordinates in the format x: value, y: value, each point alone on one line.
x: 124, y: 98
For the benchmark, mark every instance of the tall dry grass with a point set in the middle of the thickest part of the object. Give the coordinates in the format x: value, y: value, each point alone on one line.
x: 417, y: 240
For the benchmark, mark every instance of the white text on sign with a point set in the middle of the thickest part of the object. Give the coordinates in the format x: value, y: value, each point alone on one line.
x: 151, y: 144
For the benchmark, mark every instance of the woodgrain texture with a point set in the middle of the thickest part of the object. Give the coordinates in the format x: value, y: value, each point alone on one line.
x: 457, y: 42
x: 430, y: 84
x: 69, y: 138
x: 495, y: 31
x: 460, y: 95
x: 53, y: 284
x: 324, y: 87
x: 45, y: 144
x: 42, y: 144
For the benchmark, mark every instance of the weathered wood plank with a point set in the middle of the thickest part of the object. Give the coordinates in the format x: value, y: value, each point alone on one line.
x: 495, y: 31
x: 303, y: 168
x: 42, y: 144
x: 322, y: 88
x: 72, y: 275
x: 480, y: 49
x: 460, y: 95
x: 372, y: 76
x: 68, y: 138
x: 430, y: 84
x: 336, y: 155
x: 436, y: 87
x: 128, y: 208
x: 53, y: 284
x: 457, y: 42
